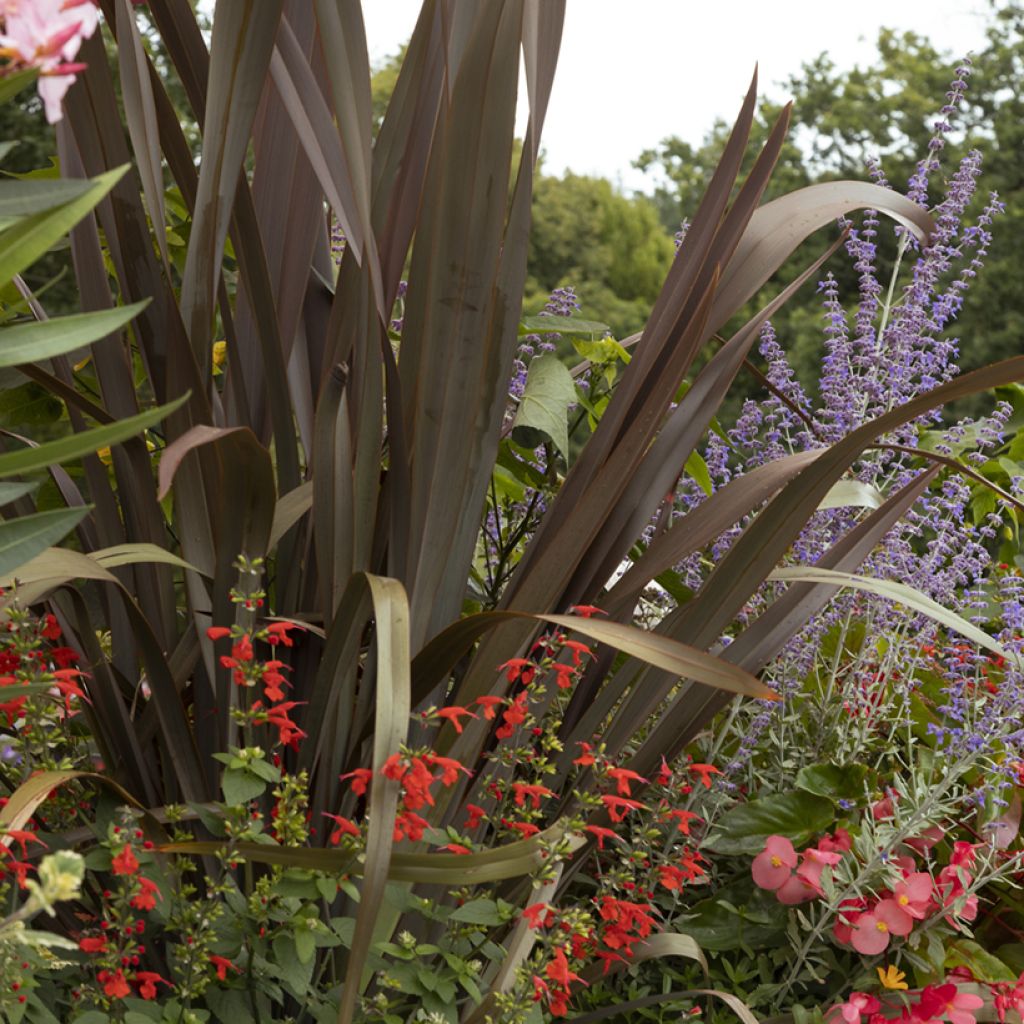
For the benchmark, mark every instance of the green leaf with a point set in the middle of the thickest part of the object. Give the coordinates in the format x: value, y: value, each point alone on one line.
x: 798, y: 816
x: 560, y: 325
x: 239, y: 787
x: 544, y: 407
x: 305, y: 945
x: 22, y: 539
x: 10, y: 86
x: 13, y: 491
x: 837, y: 782
x: 25, y: 241
x: 24, y: 198
x: 29, y: 343
x: 697, y: 470
x: 722, y: 924
x: 478, y: 912
x: 88, y: 441
x: 983, y: 965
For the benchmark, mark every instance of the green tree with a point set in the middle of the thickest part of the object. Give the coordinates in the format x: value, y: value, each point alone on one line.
x: 887, y: 110
x: 610, y: 247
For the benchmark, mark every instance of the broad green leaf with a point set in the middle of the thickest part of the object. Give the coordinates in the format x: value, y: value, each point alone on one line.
x: 239, y: 786
x: 852, y: 494
x: 24, y: 538
x: 983, y: 965
x: 23, y: 198
x: 560, y: 325
x: 744, y: 828
x: 55, y: 452
x: 29, y: 343
x: 482, y: 911
x: 900, y: 593
x: 837, y: 782
x: 24, y: 242
x: 544, y: 407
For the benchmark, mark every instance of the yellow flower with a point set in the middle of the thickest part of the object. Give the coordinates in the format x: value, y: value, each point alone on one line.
x: 891, y: 977
x: 220, y: 355
x: 104, y: 456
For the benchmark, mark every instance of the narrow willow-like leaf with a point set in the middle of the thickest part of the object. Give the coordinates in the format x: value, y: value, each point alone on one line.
x: 25, y: 241
x: 23, y: 198
x: 29, y: 343
x: 24, y: 538
x: 901, y: 593
x: 11, y: 85
x: 45, y: 455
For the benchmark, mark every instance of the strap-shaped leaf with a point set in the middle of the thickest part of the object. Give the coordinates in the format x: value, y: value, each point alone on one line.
x: 243, y: 39
x: 391, y: 722
x: 140, y: 113
x: 21, y: 198
x: 901, y: 593
x: 45, y: 455
x: 29, y: 343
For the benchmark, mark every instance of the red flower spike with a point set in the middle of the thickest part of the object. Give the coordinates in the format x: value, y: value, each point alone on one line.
x: 97, y: 944
x: 345, y: 828
x: 450, y: 768
x: 125, y: 862
x: 586, y: 611
x: 578, y: 648
x: 618, y: 805
x: 705, y: 771
x: 114, y: 984
x: 522, y: 790
x: 519, y: 669
x: 475, y: 815
x: 563, y: 675
x: 457, y: 848
x: 586, y: 758
x: 277, y: 633
x: 453, y: 716
x: 602, y: 834
x: 622, y: 778
x: 489, y: 704
x: 51, y: 628
x: 147, y: 982
x: 146, y: 898
x: 218, y: 632
x: 361, y: 780
x: 222, y: 963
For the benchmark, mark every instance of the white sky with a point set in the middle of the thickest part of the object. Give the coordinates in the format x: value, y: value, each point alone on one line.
x: 631, y: 74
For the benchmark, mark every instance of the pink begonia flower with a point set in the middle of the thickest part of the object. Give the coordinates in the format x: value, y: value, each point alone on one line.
x: 895, y: 917
x: 859, y: 1004
x: 774, y: 864
x: 839, y: 842
x: 870, y: 935
x: 914, y: 894
x: 813, y: 863
x: 927, y: 839
x: 46, y: 34
x: 946, y: 1000
x: 847, y: 916
x: 795, y: 890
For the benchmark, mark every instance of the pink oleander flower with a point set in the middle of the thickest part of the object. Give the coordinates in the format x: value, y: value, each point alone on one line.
x: 774, y: 865
x: 47, y: 34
